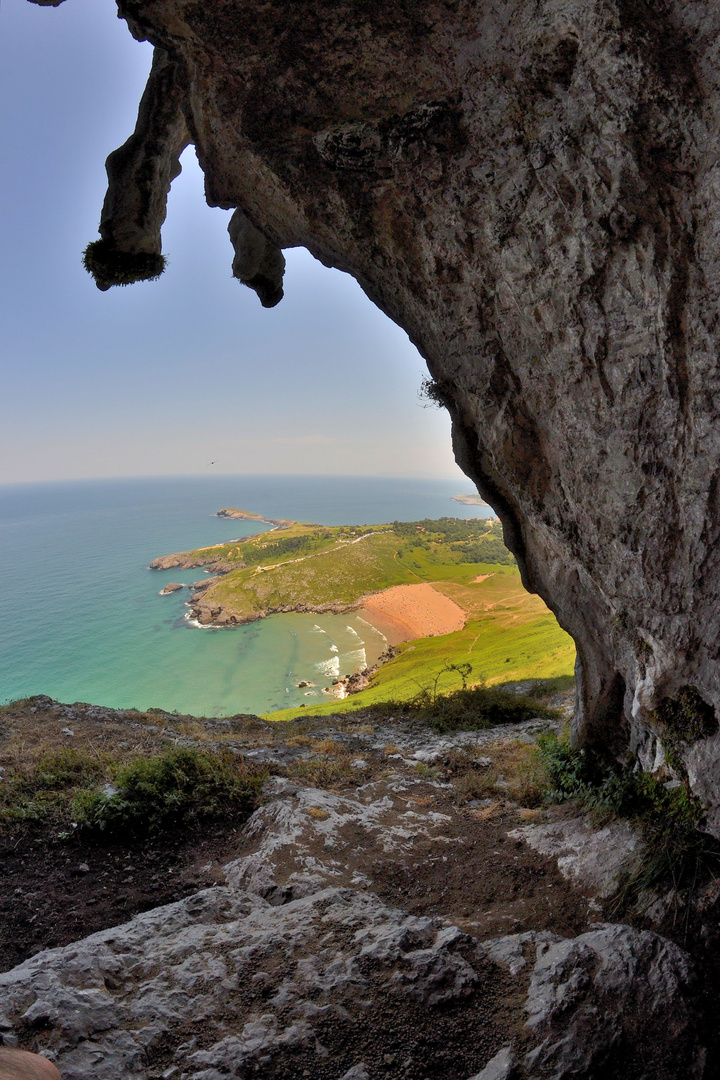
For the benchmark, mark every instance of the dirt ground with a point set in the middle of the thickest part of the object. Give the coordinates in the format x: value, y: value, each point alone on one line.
x: 55, y: 891
x: 496, y: 886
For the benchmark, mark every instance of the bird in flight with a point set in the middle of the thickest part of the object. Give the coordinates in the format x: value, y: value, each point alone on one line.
x: 209, y: 463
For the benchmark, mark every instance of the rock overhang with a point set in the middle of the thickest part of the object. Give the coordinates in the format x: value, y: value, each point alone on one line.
x: 531, y: 192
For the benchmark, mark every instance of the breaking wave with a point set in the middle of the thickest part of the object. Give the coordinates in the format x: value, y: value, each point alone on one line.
x: 357, y: 657
x: 329, y: 667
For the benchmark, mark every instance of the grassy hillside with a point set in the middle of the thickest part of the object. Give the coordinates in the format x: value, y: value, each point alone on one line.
x: 511, y: 636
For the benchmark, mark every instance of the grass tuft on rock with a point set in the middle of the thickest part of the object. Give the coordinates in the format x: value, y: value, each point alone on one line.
x: 163, y: 790
x: 666, y: 813
x: 112, y: 267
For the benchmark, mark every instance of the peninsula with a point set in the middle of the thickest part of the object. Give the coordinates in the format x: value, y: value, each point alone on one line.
x: 247, y: 515
x: 469, y: 500
x: 390, y: 570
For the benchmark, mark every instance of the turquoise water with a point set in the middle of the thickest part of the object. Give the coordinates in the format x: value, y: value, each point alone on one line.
x: 83, y: 621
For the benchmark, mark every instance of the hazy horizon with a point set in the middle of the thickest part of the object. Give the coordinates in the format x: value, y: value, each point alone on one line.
x: 461, y: 480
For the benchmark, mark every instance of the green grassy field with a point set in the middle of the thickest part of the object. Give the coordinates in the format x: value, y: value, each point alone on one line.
x: 511, y: 636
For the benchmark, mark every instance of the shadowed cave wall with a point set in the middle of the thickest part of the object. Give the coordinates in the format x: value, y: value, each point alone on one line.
x: 531, y: 189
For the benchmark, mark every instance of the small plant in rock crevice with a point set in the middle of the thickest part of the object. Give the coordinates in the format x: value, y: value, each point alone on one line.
x: 432, y: 395
x: 684, y: 720
x: 667, y: 814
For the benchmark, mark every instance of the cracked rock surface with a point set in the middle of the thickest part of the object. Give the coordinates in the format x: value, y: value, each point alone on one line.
x: 297, y: 967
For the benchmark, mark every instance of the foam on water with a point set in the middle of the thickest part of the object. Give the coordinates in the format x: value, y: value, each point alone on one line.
x: 329, y: 667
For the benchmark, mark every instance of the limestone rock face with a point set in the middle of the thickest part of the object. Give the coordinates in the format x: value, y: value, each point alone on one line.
x: 532, y: 190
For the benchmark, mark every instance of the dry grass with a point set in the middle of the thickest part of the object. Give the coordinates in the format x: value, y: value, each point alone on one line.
x: 509, y: 769
x: 326, y: 773
x: 328, y: 746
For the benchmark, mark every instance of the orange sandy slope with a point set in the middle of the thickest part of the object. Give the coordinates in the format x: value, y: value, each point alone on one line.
x: 404, y: 612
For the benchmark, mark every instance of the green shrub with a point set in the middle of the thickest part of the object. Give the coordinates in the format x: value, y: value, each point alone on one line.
x: 667, y: 815
x: 472, y: 708
x: 66, y: 768
x: 159, y: 791
x: 35, y: 791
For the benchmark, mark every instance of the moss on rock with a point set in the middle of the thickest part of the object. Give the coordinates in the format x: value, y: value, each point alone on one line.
x: 112, y: 267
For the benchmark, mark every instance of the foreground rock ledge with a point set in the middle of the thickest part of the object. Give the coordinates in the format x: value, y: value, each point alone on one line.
x: 288, y: 972
x: 532, y: 191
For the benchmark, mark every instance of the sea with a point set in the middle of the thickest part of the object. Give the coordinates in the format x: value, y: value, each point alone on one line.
x: 83, y: 619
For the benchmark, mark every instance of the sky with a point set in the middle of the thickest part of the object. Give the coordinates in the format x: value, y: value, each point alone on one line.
x: 162, y: 378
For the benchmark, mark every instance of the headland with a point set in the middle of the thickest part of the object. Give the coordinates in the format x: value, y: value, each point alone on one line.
x: 386, y: 571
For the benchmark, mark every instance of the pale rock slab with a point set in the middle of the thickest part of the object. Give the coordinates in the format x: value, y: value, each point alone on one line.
x: 594, y: 859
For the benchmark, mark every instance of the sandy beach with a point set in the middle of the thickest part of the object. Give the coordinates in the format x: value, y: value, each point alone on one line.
x: 404, y: 612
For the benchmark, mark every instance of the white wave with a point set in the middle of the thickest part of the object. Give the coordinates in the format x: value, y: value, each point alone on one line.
x: 319, y: 629
x: 329, y: 667
x: 194, y: 622
x: 352, y: 630
x: 358, y: 657
x: 333, y: 648
x: 374, y: 628
x: 204, y: 626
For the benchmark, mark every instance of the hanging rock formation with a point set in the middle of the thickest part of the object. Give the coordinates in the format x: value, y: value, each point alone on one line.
x: 531, y: 190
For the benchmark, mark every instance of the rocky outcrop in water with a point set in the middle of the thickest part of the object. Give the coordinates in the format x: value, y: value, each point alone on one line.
x: 532, y: 191
x: 171, y: 587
